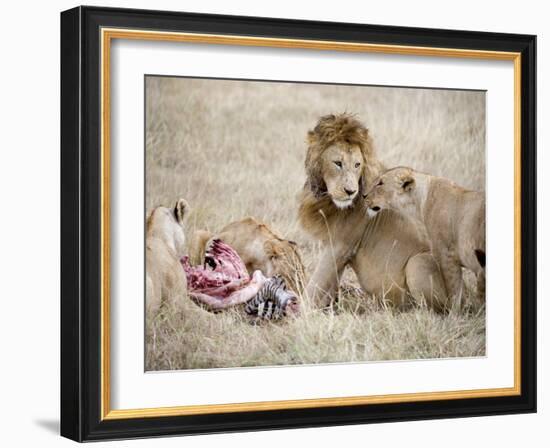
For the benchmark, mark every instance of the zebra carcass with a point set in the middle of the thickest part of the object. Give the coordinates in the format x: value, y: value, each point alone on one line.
x: 222, y: 281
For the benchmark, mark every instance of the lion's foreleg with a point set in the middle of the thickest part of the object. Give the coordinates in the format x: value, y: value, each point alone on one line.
x: 322, y: 288
x: 452, y: 274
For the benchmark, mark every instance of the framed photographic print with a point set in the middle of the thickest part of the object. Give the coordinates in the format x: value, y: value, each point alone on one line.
x: 272, y: 223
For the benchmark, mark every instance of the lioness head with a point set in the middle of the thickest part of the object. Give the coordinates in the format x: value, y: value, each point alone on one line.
x: 336, y: 158
x: 283, y: 258
x: 392, y: 190
x: 167, y: 224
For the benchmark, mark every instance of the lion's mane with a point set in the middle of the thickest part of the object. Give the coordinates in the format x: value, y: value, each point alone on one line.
x: 317, y: 211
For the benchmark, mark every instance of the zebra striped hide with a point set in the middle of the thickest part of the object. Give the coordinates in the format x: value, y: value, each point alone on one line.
x: 273, y: 301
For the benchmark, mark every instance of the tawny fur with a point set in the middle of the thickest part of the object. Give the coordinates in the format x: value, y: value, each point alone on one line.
x: 452, y: 218
x: 259, y: 246
x: 165, y: 241
x: 390, y: 258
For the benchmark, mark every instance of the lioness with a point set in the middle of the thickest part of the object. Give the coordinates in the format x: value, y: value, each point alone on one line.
x: 452, y: 217
x: 165, y: 241
x: 259, y: 246
x: 391, y: 259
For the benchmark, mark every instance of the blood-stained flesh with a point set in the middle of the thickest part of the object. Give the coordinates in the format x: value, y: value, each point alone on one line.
x: 222, y: 281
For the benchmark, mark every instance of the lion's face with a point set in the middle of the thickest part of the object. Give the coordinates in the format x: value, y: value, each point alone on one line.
x: 392, y: 190
x: 338, y: 150
x: 341, y: 169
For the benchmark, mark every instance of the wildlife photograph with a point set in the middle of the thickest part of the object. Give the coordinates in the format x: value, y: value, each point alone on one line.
x: 296, y: 223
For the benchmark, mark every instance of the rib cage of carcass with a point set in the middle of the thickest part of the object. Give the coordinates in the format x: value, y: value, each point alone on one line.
x: 222, y: 281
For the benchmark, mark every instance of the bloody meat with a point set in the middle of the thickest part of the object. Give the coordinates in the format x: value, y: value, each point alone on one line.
x: 222, y: 281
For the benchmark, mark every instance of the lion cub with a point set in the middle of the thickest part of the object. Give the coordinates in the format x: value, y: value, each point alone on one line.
x: 165, y: 241
x: 450, y: 217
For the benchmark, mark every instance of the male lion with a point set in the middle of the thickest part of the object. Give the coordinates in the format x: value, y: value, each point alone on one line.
x: 260, y: 248
x: 389, y: 256
x: 452, y: 217
x: 165, y: 241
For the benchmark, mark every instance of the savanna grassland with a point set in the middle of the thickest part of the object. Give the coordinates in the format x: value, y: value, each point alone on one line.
x: 234, y: 149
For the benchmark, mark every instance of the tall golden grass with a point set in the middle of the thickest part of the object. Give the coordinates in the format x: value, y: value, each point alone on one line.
x: 235, y: 148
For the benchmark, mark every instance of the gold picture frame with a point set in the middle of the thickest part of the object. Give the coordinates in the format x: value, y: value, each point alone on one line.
x: 108, y: 30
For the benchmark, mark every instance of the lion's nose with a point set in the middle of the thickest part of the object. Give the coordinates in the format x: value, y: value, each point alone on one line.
x: 349, y: 192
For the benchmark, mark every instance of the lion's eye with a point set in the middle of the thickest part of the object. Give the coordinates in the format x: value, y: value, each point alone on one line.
x: 338, y: 163
x: 379, y: 184
x: 357, y: 165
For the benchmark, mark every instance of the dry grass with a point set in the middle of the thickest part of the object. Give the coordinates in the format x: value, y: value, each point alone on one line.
x: 236, y: 149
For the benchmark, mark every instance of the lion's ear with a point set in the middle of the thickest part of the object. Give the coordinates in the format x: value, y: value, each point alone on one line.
x: 272, y: 249
x: 312, y: 138
x: 407, y: 183
x: 181, y: 210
